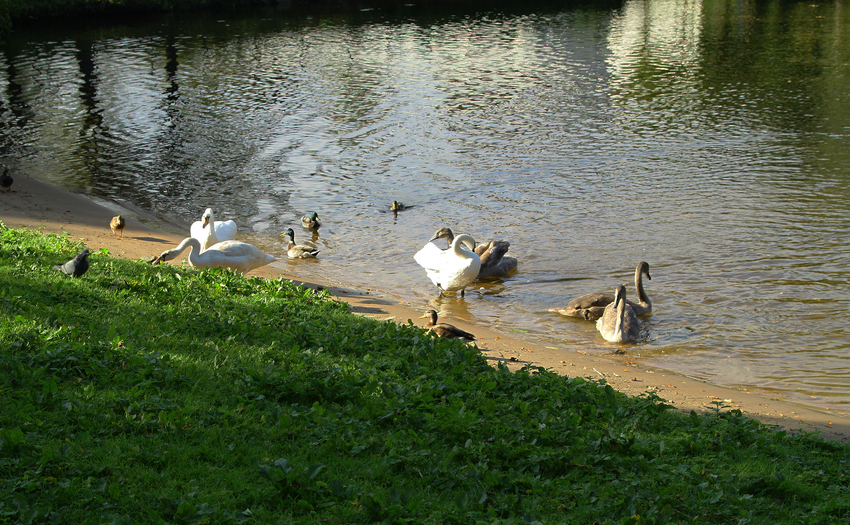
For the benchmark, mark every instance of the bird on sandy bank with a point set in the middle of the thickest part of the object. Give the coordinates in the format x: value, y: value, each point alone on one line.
x: 117, y: 224
x: 444, y: 329
x: 6, y: 181
x: 77, y: 266
x: 298, y: 251
x: 236, y: 255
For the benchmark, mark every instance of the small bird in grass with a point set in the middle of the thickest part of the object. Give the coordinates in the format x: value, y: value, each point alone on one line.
x: 77, y: 266
x: 311, y: 221
x: 444, y: 329
x: 6, y: 180
x: 117, y: 224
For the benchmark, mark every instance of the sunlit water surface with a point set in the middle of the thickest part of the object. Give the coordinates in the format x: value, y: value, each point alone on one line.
x: 710, y: 142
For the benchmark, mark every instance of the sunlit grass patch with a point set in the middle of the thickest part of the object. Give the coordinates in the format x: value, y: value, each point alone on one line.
x: 165, y: 394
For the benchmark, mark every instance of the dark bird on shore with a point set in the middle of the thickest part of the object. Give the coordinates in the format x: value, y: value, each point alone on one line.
x: 77, y: 266
x: 117, y: 224
x: 311, y: 221
x: 444, y: 329
x: 6, y: 180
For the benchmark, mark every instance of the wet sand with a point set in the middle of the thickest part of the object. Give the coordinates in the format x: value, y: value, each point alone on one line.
x: 35, y: 205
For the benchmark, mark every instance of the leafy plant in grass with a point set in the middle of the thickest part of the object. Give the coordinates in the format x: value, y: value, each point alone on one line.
x: 165, y: 394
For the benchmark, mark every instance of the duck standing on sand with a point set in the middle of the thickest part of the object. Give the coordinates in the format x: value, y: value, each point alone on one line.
x: 6, y: 181
x: 117, y: 224
x: 444, y: 329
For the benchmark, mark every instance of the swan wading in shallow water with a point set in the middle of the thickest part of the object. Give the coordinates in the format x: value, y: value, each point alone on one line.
x: 210, y: 232
x: 444, y: 329
x: 311, y: 222
x: 590, y: 306
x: 618, y: 323
x: 298, y: 251
x: 236, y: 255
x: 492, y: 255
x: 452, y: 269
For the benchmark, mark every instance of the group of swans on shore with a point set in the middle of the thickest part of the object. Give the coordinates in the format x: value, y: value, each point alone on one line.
x: 213, y: 244
x: 616, y: 318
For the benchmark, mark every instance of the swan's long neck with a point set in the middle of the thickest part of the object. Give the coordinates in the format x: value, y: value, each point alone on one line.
x: 644, y: 299
x: 621, y: 313
x: 193, y: 244
x: 460, y: 250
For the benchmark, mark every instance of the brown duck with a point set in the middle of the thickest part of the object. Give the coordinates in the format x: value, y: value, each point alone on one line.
x: 444, y: 329
x: 117, y: 224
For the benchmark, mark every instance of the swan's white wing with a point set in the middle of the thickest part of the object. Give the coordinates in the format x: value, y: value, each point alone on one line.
x: 197, y: 231
x: 225, y: 230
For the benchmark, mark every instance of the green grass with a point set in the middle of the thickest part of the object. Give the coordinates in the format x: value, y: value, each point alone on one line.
x: 142, y: 394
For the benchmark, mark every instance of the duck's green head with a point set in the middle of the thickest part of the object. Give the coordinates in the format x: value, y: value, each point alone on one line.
x: 290, y: 233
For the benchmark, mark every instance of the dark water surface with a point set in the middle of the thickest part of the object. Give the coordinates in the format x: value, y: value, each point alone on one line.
x: 707, y: 138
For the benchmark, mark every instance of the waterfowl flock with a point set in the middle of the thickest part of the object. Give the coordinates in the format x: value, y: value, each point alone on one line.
x: 452, y: 269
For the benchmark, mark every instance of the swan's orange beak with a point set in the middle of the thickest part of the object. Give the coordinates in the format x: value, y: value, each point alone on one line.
x: 206, y: 222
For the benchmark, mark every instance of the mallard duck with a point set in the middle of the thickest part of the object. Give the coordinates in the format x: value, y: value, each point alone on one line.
x: 311, y: 222
x: 6, y: 181
x: 117, y: 224
x: 590, y: 306
x: 210, y: 231
x: 236, y: 255
x: 397, y: 207
x: 618, y: 323
x: 298, y: 251
x: 76, y: 266
x: 444, y: 329
x: 452, y: 269
x: 492, y: 255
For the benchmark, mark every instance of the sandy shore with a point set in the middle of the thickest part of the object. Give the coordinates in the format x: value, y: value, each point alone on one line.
x: 32, y: 204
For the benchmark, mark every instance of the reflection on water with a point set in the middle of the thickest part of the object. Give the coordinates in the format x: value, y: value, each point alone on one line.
x: 706, y: 138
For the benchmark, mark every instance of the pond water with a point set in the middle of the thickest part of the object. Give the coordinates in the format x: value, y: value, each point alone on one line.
x: 707, y: 138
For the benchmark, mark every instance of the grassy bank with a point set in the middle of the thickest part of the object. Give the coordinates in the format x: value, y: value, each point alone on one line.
x: 168, y: 395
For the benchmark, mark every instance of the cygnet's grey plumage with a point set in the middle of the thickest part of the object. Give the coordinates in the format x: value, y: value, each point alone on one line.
x: 591, y: 306
x: 618, y: 323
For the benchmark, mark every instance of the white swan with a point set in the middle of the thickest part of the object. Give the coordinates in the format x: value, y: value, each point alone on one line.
x: 210, y: 231
x: 236, y: 255
x: 492, y: 255
x: 452, y: 269
x: 590, y: 306
x: 618, y: 323
x: 298, y: 251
